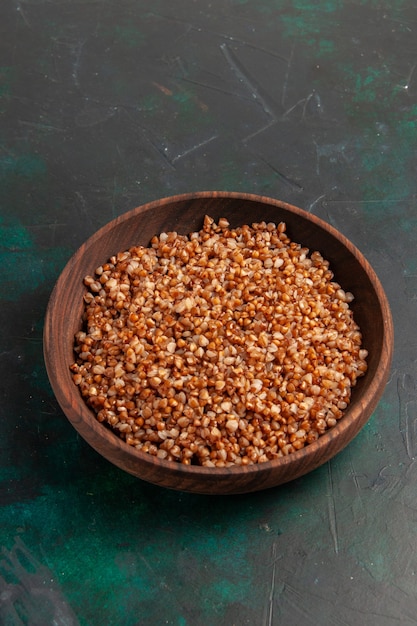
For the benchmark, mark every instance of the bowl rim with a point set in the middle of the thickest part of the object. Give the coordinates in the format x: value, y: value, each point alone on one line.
x: 88, y: 418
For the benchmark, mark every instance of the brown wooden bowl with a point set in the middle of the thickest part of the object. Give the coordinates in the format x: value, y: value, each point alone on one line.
x: 185, y: 214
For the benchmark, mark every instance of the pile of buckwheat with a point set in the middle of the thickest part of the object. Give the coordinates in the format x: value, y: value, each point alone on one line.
x: 229, y: 346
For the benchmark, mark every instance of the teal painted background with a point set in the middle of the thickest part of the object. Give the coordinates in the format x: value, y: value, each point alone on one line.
x: 106, y: 105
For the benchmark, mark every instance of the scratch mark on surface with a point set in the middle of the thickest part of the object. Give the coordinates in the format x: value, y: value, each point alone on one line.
x: 355, y: 480
x: 332, y: 510
x: 181, y: 66
x: 304, y: 102
x: 41, y: 127
x: 333, y: 152
x: 53, y: 227
x: 147, y: 564
x: 223, y: 35
x: 21, y: 12
x: 393, y: 375
x: 77, y: 50
x: 147, y: 133
x: 410, y: 77
x: 28, y: 591
x: 285, y: 179
x: 407, y: 414
x: 307, y: 100
x: 272, y: 588
x: 167, y: 594
x: 410, y: 473
x: 245, y: 78
x: 287, y: 76
x: 300, y: 604
x: 200, y: 83
x: 386, y: 483
x: 294, y: 106
x: 193, y: 149
x: 82, y: 205
x: 161, y: 149
x: 271, y: 53
x: 258, y: 131
x: 360, y: 202
x: 313, y: 204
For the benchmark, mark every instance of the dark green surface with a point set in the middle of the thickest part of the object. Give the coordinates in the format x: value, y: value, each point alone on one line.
x: 107, y: 105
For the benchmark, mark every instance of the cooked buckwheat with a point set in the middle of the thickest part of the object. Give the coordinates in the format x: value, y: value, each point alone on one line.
x: 229, y: 346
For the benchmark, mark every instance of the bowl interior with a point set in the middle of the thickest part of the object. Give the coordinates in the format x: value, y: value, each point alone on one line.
x: 185, y: 214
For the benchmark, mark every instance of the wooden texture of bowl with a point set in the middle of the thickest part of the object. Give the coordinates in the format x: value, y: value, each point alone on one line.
x: 184, y: 214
